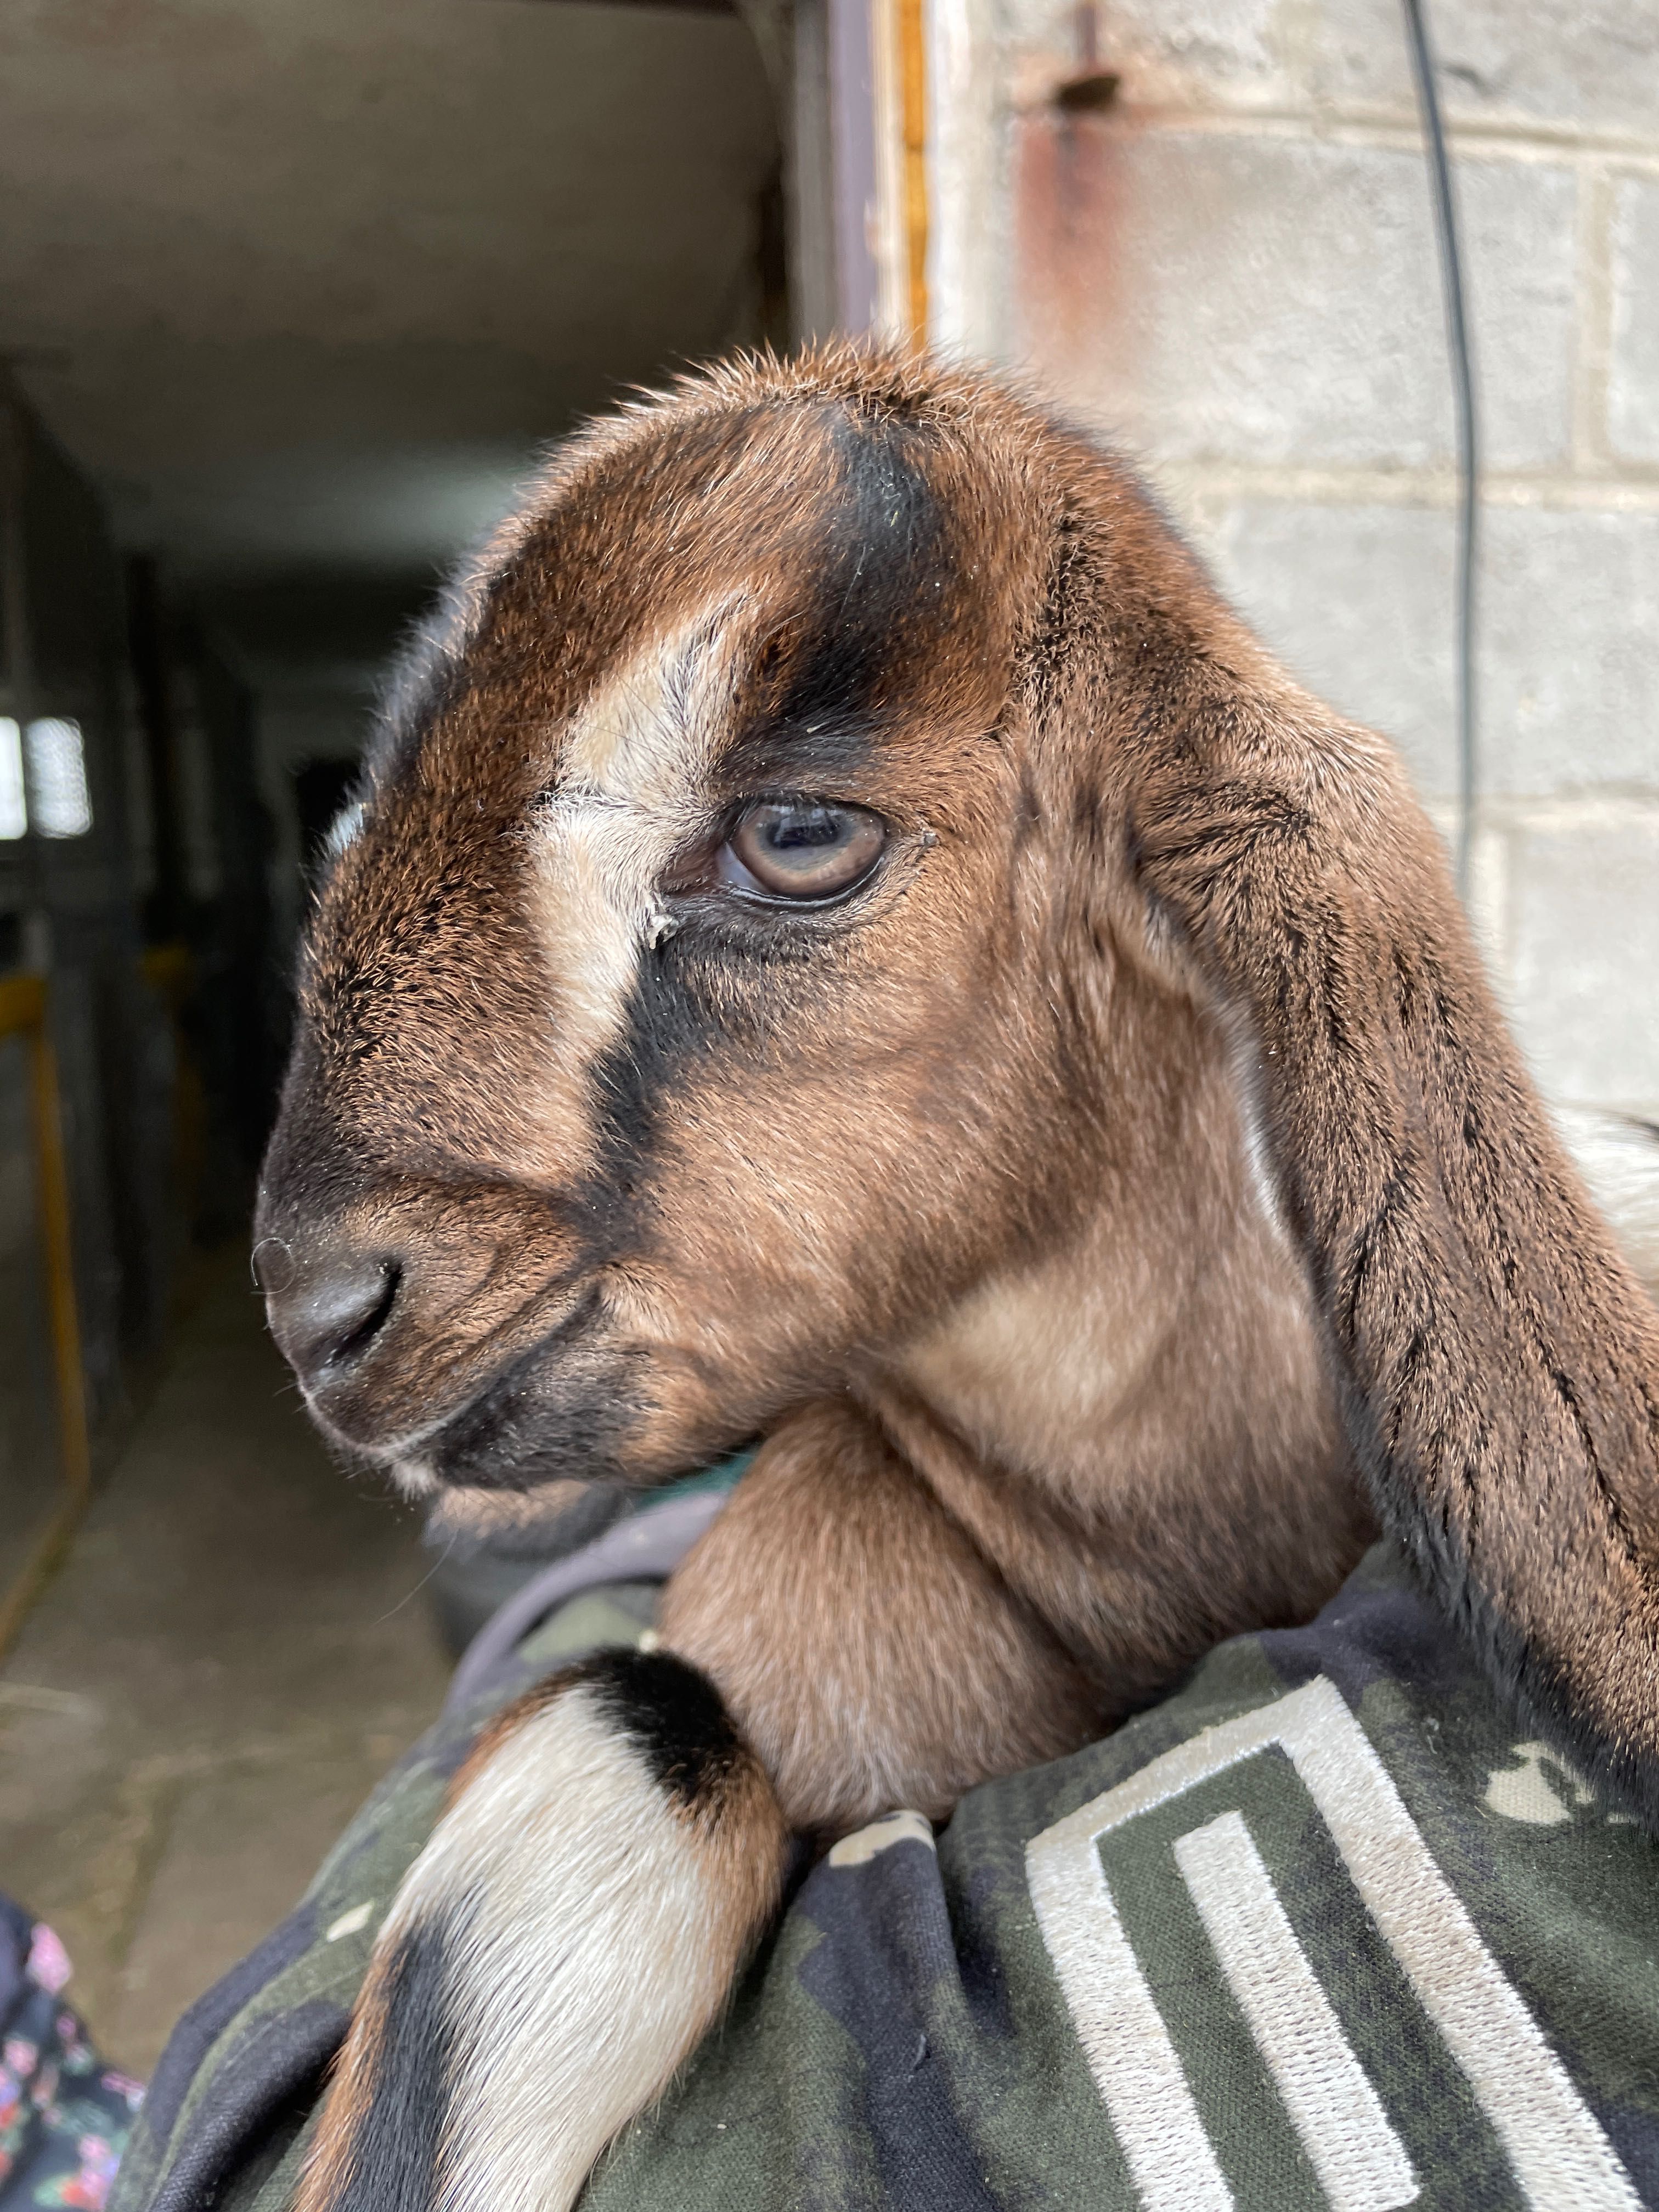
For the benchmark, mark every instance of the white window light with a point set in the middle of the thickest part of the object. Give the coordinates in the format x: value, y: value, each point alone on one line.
x: 61, y: 805
x: 14, y: 807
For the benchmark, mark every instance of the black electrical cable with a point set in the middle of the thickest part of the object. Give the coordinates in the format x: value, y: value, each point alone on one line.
x: 1468, y: 450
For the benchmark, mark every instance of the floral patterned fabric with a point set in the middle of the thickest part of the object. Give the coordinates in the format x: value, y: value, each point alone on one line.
x: 64, y: 2116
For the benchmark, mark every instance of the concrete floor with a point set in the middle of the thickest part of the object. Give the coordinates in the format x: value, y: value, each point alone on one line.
x: 232, y: 1655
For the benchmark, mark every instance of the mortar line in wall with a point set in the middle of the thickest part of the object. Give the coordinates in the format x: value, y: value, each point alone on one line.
x: 1513, y: 142
x: 1550, y: 813
x: 1418, y: 487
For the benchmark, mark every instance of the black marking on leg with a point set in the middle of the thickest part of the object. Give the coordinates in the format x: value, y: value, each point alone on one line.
x: 395, y: 2146
x: 674, y: 1715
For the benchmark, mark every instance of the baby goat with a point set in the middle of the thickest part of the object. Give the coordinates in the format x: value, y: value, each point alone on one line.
x: 847, y: 939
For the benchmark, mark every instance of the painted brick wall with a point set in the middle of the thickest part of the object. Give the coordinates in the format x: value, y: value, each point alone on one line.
x: 1233, y: 270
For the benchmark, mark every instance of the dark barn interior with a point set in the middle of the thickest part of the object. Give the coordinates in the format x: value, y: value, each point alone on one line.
x: 290, y: 295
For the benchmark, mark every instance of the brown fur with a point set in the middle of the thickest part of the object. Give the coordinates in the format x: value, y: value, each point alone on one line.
x: 1075, y: 1210
x: 860, y: 1690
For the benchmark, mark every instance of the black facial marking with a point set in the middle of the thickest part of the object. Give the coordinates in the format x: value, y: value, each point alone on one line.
x: 673, y: 1715
x: 544, y: 1419
x: 826, y: 686
x: 885, y: 569
x: 732, y: 984
x: 667, y: 1028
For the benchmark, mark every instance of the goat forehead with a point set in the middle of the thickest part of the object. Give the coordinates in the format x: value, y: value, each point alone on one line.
x: 662, y: 637
x: 873, y: 550
x: 647, y: 733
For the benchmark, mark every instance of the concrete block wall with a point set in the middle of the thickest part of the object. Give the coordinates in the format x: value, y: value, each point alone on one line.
x: 1232, y: 270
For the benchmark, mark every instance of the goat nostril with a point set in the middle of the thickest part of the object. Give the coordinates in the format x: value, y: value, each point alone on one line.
x: 373, y: 1319
x: 272, y: 1264
x: 335, y: 1319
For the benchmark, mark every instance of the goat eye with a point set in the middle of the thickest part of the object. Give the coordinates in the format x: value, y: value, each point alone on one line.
x: 802, y: 848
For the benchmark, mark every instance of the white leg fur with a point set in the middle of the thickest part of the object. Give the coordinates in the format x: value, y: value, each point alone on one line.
x: 588, y: 1920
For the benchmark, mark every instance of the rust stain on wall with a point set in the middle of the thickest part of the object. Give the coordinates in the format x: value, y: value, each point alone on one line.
x: 1077, y: 318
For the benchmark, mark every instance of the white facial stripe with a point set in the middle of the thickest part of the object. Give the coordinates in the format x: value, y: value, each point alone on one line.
x: 599, y: 866
x: 630, y: 792
x: 655, y: 720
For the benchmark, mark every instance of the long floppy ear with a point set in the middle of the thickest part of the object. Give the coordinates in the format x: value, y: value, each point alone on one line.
x: 1499, y: 1364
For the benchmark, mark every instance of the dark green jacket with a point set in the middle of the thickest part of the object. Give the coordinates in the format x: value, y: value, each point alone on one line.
x: 1317, y: 1930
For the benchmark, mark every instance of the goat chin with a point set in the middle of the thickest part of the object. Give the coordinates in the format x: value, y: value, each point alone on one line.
x: 565, y: 1941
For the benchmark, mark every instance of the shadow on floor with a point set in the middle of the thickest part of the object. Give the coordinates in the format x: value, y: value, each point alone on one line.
x: 231, y: 1657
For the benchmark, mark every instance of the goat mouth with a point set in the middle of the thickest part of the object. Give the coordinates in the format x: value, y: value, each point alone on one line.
x: 555, y: 1411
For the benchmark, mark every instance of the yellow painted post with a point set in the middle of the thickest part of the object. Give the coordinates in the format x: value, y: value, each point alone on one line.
x: 913, y: 91
x: 23, y: 1013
